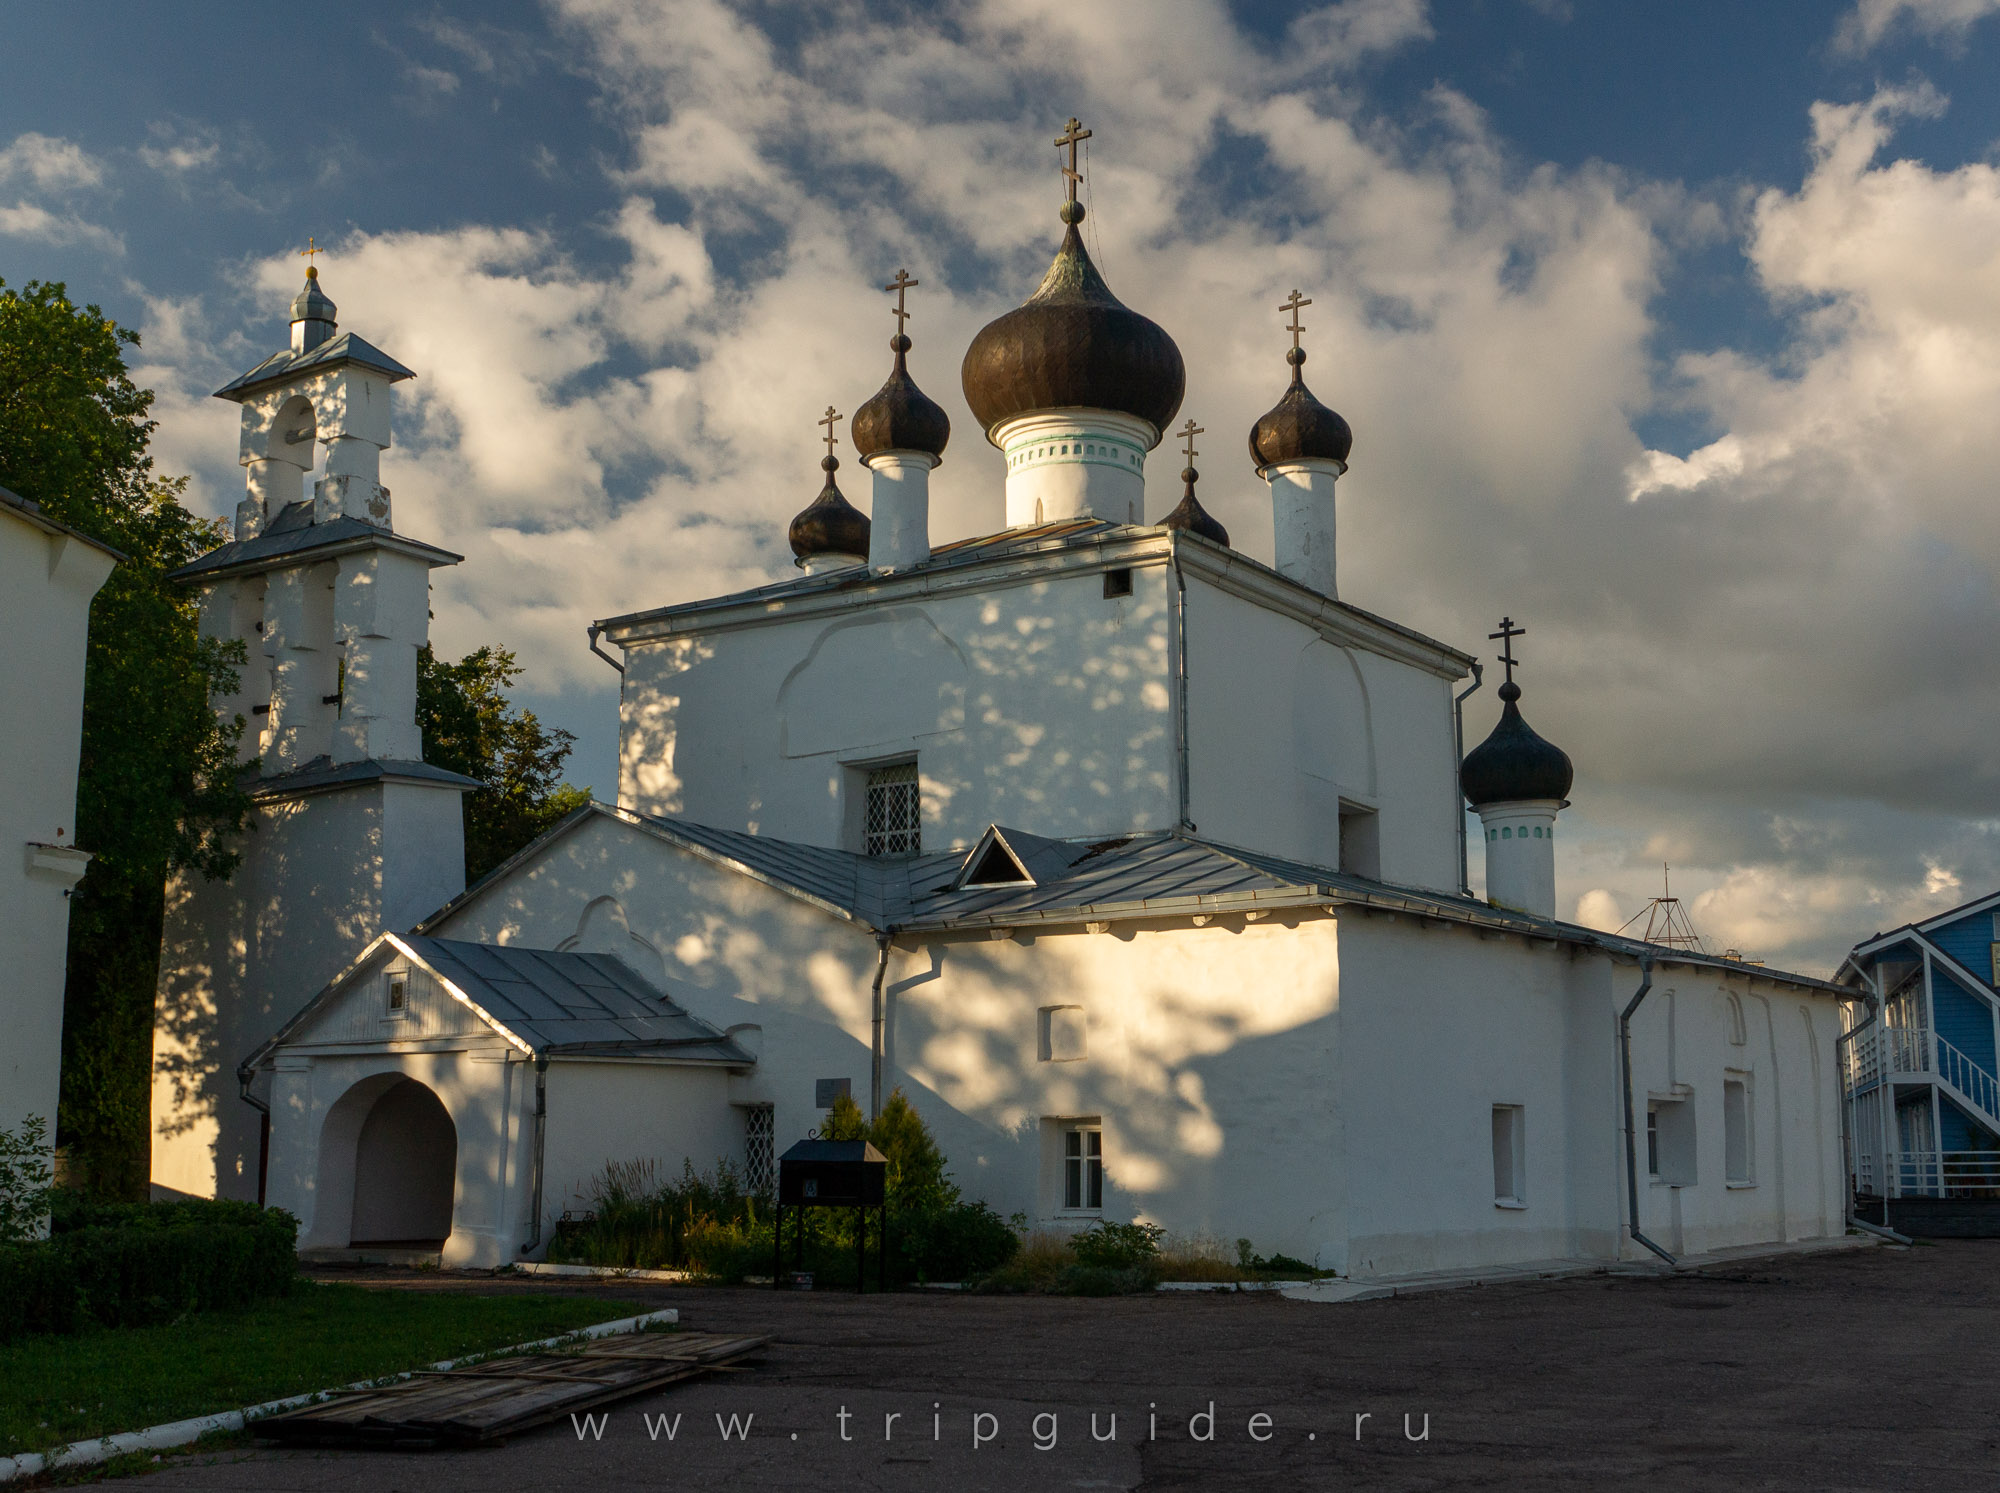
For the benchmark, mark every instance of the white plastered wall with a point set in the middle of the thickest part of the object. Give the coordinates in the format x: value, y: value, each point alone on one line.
x: 46, y: 585
x: 1285, y: 726
x: 1044, y: 705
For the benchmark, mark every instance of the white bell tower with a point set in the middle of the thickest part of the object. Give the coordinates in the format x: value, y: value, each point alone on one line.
x: 352, y: 832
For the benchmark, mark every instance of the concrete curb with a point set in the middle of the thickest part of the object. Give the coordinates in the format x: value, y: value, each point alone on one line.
x: 1223, y: 1285
x: 182, y: 1432
x: 602, y: 1272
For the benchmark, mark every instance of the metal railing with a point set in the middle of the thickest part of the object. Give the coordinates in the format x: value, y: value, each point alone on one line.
x: 1945, y: 1174
x: 1973, y: 1081
x: 1909, y: 1048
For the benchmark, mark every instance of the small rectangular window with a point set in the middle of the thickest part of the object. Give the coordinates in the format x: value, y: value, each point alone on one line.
x: 1083, y: 1168
x: 1117, y: 583
x: 1736, y: 1131
x: 1063, y: 1034
x: 1509, y: 1156
x: 1360, y: 841
x: 1670, y: 1141
x: 760, y: 1136
x: 399, y: 994
x: 893, y: 816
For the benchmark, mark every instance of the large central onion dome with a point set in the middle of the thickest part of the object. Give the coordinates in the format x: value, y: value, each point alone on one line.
x: 1073, y: 345
x: 1514, y: 765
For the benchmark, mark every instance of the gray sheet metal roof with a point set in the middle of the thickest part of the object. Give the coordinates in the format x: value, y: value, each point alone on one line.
x: 1161, y: 873
x: 322, y: 774
x: 346, y: 348
x: 573, y: 1003
x: 293, y: 533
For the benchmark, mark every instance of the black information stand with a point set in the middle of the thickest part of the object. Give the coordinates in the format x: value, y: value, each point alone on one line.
x: 833, y: 1174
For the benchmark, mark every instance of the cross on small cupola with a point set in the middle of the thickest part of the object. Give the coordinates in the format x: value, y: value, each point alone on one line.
x: 1073, y: 135
x: 1187, y: 433
x: 831, y: 532
x: 902, y: 284
x: 1505, y: 637
x: 1189, y: 516
x: 830, y: 419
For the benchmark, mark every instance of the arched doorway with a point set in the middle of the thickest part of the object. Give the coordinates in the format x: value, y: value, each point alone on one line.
x: 405, y: 1170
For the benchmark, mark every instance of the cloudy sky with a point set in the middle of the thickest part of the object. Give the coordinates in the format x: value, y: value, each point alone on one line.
x: 1672, y: 329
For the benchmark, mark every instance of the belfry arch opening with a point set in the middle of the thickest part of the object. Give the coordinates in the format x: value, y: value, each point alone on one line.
x: 388, y: 1166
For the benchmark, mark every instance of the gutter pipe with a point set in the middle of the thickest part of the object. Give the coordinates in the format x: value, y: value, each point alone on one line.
x: 1631, y: 1141
x: 1458, y: 770
x: 244, y: 1077
x: 883, y: 943
x: 541, y: 1135
x: 1181, y: 680
x: 595, y: 630
x: 1873, y: 1001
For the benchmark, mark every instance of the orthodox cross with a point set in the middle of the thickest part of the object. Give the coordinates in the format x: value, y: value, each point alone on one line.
x: 1508, y: 632
x: 1189, y: 431
x: 1073, y: 135
x: 901, y: 285
x: 829, y: 420
x: 308, y: 251
x: 1293, y: 305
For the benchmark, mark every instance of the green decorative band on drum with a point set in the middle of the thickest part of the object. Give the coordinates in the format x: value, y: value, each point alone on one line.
x: 1083, y: 447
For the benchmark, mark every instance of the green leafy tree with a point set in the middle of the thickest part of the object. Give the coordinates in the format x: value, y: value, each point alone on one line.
x: 915, y: 1177
x: 471, y: 726
x: 156, y: 789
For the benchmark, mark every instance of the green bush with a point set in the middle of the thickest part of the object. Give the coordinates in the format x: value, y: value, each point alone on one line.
x: 26, y: 1170
x: 130, y: 1264
x: 1117, y: 1246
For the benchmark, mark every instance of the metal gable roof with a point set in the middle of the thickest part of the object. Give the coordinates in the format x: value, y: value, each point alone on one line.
x: 280, y: 366
x: 292, y: 532
x: 567, y: 1001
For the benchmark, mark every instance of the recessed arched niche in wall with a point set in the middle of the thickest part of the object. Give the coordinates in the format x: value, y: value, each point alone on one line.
x: 1332, y: 735
x: 604, y: 929
x: 870, y: 682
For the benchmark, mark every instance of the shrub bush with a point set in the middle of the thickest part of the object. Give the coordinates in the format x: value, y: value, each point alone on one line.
x: 26, y: 1170
x: 1117, y: 1246
x: 129, y: 1264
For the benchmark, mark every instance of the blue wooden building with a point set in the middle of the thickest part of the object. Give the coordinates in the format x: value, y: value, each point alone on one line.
x: 1921, y: 1066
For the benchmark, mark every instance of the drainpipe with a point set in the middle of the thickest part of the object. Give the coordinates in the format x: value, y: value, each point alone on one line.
x: 1181, y: 685
x: 1873, y: 1001
x: 541, y: 1134
x: 594, y: 631
x: 244, y: 1076
x: 1458, y: 769
x: 883, y: 941
x: 1631, y: 1141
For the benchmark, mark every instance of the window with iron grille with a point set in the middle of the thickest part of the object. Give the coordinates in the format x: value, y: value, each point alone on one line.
x: 760, y: 1172
x: 891, y: 826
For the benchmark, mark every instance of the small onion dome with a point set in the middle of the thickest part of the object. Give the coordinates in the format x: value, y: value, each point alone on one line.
x: 901, y: 417
x: 1514, y: 764
x: 311, y: 304
x: 1191, y: 516
x: 1298, y: 427
x: 1073, y: 345
x: 830, y: 525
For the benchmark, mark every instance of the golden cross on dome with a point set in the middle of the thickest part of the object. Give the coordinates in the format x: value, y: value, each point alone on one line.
x: 1508, y: 632
x: 1294, y: 304
x: 1073, y: 135
x: 1189, y: 431
x: 829, y: 420
x: 307, y: 254
x: 901, y: 285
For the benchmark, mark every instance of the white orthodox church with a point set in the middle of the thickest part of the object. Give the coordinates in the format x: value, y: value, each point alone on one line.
x: 1137, y: 864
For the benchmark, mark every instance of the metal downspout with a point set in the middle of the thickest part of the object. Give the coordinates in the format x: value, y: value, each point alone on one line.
x: 1873, y: 1000
x: 1458, y: 770
x: 244, y: 1077
x: 1181, y: 683
x: 1631, y: 1141
x: 594, y: 631
x: 883, y: 942
x: 541, y: 1134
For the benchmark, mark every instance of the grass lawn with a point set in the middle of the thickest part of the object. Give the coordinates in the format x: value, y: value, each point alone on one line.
x: 56, y: 1389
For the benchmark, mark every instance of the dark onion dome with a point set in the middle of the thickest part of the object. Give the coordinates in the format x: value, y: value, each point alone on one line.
x: 311, y: 303
x: 1073, y: 345
x: 830, y: 525
x: 1514, y: 764
x: 901, y: 417
x: 1298, y: 427
x: 1191, y: 516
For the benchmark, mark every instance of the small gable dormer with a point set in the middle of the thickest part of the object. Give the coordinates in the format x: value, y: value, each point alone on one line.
x: 1014, y: 858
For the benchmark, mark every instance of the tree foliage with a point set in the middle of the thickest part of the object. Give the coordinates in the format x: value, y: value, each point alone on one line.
x: 156, y: 788
x: 471, y: 726
x: 915, y: 1177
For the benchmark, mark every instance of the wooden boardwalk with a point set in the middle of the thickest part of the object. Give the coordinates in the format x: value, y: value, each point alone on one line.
x: 486, y: 1402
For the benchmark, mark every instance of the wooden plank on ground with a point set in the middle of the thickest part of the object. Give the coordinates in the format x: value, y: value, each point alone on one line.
x: 485, y: 1402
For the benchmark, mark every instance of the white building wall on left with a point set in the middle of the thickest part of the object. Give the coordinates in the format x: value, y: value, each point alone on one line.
x: 47, y: 580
